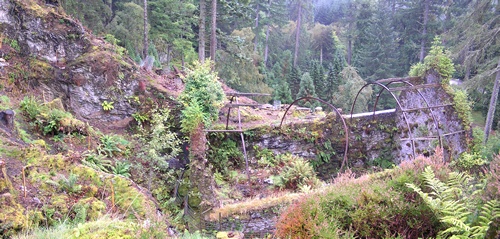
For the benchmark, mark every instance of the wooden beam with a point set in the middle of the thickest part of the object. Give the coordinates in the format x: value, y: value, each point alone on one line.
x: 452, y: 133
x: 420, y: 138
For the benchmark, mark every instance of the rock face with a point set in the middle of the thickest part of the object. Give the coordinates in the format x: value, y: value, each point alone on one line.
x: 7, y: 119
x: 68, y: 62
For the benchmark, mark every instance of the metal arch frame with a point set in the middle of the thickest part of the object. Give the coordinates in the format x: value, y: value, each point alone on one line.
x: 399, y: 105
x: 384, y: 87
x: 436, y: 124
x: 229, y: 112
x: 344, y: 161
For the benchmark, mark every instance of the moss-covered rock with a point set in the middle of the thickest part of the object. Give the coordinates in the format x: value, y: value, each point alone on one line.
x: 12, y: 216
x: 90, y: 209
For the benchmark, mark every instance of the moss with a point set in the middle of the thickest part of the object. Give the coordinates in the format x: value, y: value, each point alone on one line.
x: 128, y: 199
x: 55, y: 162
x: 35, y: 218
x: 93, y: 207
x: 12, y: 217
x: 59, y: 202
x: 40, y: 69
x: 87, y: 173
x: 10, y: 151
x: 103, y: 229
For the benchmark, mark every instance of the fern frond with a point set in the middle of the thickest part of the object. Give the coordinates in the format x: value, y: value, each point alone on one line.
x: 457, y: 180
x: 489, y: 212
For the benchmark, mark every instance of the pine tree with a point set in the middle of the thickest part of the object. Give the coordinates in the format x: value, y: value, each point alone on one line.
x: 319, y: 79
x: 127, y: 25
x: 375, y: 57
x: 171, y: 33
x: 307, y: 89
x: 333, y: 78
x: 94, y: 14
x: 294, y: 79
x: 282, y: 92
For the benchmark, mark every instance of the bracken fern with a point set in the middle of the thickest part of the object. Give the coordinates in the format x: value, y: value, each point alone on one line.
x: 451, y: 204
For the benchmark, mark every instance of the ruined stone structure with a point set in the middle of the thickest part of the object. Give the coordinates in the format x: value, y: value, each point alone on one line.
x: 424, y: 119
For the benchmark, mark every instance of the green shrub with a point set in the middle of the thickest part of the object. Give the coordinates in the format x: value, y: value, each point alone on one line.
x: 463, y: 108
x: 30, y: 106
x: 225, y: 155
x: 50, y: 118
x: 4, y: 102
x: 50, y: 122
x: 107, y: 106
x: 298, y: 173
x: 492, y: 147
x: 159, y: 143
x: 68, y: 184
x: 97, y: 162
x: 265, y: 157
x: 367, y: 207
x: 202, y: 97
x: 469, y: 162
x: 111, y: 145
x: 122, y: 168
x: 438, y: 59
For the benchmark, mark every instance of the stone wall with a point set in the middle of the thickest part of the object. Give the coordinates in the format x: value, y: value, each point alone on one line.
x: 254, y: 224
x: 384, y: 135
x: 437, y: 125
x: 370, y: 137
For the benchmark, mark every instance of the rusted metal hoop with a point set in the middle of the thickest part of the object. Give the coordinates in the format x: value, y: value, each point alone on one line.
x: 346, y: 130
x: 436, y: 124
x: 400, y: 108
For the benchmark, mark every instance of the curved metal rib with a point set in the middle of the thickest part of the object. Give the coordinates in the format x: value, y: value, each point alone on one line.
x: 399, y: 106
x: 344, y: 161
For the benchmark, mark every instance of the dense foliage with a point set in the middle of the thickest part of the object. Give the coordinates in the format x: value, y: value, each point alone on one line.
x: 267, y: 46
x: 202, y: 97
x: 419, y: 199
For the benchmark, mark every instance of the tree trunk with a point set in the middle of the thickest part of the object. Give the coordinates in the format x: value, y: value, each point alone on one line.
x: 424, y: 30
x: 201, y: 32
x: 297, y: 36
x: 256, y: 39
x: 146, y: 45
x: 213, y: 34
x: 201, y: 175
x: 321, y: 55
x: 266, y: 48
x: 349, y: 50
x: 493, y: 104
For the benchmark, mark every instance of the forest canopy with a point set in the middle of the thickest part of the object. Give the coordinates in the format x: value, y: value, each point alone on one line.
x: 268, y: 46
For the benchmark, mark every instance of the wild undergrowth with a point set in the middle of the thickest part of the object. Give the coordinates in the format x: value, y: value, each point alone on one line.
x: 422, y: 198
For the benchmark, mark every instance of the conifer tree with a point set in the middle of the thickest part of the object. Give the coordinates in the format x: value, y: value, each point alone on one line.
x: 307, y: 89
x: 294, y: 79
x: 319, y: 79
x: 333, y: 78
x: 282, y: 92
